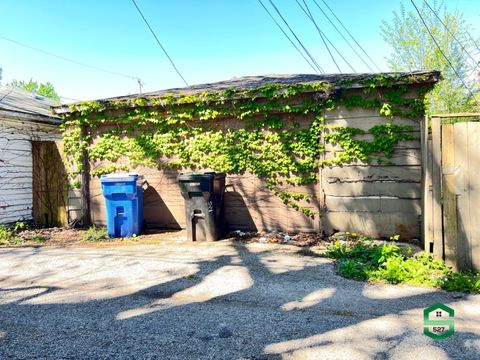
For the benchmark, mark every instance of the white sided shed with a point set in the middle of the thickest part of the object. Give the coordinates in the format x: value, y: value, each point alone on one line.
x: 24, y: 118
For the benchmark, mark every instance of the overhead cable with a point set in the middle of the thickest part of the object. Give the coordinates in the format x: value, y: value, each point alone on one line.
x: 159, y: 43
x: 296, y: 37
x: 70, y: 60
x: 343, y: 36
x: 351, y: 36
x: 440, y: 49
x: 309, y: 15
x: 473, y: 41
x: 451, y: 34
x: 334, y: 47
x: 288, y: 37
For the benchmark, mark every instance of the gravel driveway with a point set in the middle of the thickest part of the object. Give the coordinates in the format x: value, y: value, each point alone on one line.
x: 213, y: 301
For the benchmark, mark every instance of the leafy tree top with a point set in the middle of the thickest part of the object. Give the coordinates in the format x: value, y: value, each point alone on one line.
x: 413, y: 48
x: 46, y: 89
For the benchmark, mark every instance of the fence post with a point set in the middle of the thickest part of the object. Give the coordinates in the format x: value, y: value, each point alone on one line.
x: 427, y: 221
x: 437, y: 218
x: 449, y: 197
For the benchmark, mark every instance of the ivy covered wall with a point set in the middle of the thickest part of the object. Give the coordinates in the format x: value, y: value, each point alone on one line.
x: 279, y: 135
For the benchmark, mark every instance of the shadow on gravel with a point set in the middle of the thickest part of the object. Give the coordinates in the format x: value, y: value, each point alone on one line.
x: 260, y: 309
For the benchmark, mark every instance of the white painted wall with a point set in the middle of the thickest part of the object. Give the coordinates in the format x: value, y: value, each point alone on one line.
x: 16, y: 197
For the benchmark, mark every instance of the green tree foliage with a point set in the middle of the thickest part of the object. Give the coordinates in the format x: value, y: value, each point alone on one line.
x: 46, y: 89
x: 414, y: 49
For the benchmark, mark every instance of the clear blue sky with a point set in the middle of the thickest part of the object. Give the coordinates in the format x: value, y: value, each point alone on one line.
x: 209, y: 40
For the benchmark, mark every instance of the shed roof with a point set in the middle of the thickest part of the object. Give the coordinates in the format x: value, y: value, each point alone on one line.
x: 251, y: 82
x: 28, y: 106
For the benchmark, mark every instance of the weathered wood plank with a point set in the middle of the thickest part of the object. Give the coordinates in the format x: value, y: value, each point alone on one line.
x: 23, y: 126
x: 16, y: 156
x: 376, y: 225
x: 437, y: 189
x: 14, y: 145
x: 364, y: 119
x: 19, y: 173
x: 462, y: 193
x: 15, y: 198
x: 381, y: 188
x: 406, y: 144
x: 15, y: 176
x: 17, y: 217
x: 473, y: 186
x: 372, y: 204
x: 400, y: 157
x: 8, y: 188
x: 20, y: 206
x: 351, y: 174
x: 427, y: 198
x: 449, y: 197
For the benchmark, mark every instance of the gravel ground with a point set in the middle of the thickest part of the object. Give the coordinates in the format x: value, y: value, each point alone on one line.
x: 223, y: 300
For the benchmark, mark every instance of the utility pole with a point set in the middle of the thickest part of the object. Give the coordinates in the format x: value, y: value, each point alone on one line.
x: 140, y: 84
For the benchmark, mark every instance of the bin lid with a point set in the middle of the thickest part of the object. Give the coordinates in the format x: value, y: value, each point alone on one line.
x: 189, y: 176
x: 129, y: 177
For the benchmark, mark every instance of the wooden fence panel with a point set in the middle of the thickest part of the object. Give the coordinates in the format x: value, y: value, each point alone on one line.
x: 450, y: 247
x: 462, y: 211
x: 427, y: 197
x: 437, y: 189
x: 471, y: 213
x: 452, y: 164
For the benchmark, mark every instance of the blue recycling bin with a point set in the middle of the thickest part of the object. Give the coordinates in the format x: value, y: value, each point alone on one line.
x: 124, y: 200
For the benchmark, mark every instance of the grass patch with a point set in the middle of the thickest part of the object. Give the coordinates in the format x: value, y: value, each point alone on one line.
x: 8, y: 234
x: 38, y: 238
x: 360, y: 258
x: 94, y: 234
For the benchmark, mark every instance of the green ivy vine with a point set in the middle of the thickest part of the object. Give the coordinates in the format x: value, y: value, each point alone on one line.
x: 265, y: 137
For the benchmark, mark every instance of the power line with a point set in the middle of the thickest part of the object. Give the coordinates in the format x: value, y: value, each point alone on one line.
x: 439, y: 49
x: 67, y: 98
x: 331, y: 44
x: 340, y: 54
x: 343, y: 37
x: 453, y: 35
x: 69, y: 60
x: 351, y: 36
x: 309, y: 15
x: 4, y: 96
x: 473, y: 40
x: 159, y: 43
x: 288, y: 37
x: 296, y: 37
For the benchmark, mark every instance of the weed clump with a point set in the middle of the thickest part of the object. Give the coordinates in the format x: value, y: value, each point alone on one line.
x: 95, y: 233
x: 360, y: 258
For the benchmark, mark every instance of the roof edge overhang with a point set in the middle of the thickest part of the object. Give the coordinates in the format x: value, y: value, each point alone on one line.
x: 26, y: 116
x: 337, y: 81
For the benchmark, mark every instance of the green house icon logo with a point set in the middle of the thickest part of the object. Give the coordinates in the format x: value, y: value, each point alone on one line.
x: 438, y: 321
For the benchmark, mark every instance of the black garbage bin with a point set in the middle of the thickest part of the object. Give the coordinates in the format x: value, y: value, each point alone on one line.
x: 204, y: 209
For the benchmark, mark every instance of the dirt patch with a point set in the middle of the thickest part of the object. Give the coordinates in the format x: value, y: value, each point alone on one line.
x: 310, y: 244
x: 64, y: 237
x: 275, y: 237
x: 97, y: 237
